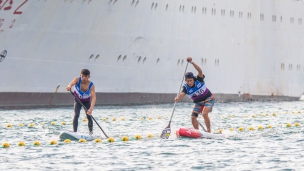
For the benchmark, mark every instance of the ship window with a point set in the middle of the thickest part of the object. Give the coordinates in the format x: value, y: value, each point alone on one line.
x: 97, y: 56
x: 223, y: 12
x: 178, y: 61
x: 167, y: 7
x: 124, y: 58
x: 139, y: 59
x: 182, y: 62
x: 144, y: 59
x: 274, y: 18
x: 291, y: 20
x: 262, y: 17
x: 300, y: 20
x: 157, y: 61
x: 156, y: 5
x: 281, y: 19
x: 91, y: 57
x: 183, y: 8
x: 194, y: 9
x: 204, y: 10
x: 202, y: 61
x: 213, y: 11
x: 282, y: 66
x: 118, y: 58
x: 231, y: 13
x: 240, y: 14
x: 249, y: 15
x: 152, y: 5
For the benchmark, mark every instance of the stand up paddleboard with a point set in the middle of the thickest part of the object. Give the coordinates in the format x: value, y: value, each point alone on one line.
x: 75, y: 136
x: 193, y: 133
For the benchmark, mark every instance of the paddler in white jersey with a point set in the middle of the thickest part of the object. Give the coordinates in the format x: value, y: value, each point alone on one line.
x: 202, y: 97
x: 85, y: 92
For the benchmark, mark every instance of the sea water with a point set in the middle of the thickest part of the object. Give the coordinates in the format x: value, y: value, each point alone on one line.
x: 277, y: 145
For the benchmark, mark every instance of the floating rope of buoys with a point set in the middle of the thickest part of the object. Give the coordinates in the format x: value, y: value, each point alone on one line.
x: 84, y: 120
x: 104, y: 119
x: 42, y: 123
x: 36, y: 143
x: 111, y: 139
x: 67, y: 141
x: 260, y: 127
x: 31, y: 125
x: 269, y: 126
x: 274, y: 114
x: 122, y: 119
x: 82, y: 141
x: 150, y: 119
x: 63, y: 123
x: 137, y: 137
x: 159, y: 117
x: 114, y: 119
x: 150, y: 136
x: 231, y: 129
x: 297, y: 124
x: 53, y: 123
x: 53, y: 142
x: 9, y: 125
x: 5, y: 145
x: 98, y: 140
x: 288, y: 125
x: 142, y: 119
x: 21, y: 144
x: 251, y: 128
x: 21, y: 125
x: 220, y: 130
x: 125, y: 138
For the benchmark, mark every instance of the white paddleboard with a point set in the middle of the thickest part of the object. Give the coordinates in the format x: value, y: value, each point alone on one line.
x: 75, y: 136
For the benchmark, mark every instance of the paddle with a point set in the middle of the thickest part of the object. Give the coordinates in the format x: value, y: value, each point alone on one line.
x: 86, y: 110
x: 202, y: 126
x: 167, y: 131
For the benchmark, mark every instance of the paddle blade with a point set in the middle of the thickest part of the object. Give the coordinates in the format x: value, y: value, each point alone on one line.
x: 166, y: 133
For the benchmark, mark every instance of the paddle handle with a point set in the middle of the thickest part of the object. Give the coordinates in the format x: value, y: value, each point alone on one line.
x: 86, y: 110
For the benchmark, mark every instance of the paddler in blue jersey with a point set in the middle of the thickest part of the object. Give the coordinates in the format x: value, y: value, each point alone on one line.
x: 202, y: 97
x: 85, y: 91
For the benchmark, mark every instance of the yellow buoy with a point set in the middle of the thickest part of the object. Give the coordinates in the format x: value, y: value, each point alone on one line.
x: 288, y: 125
x: 266, y: 114
x: 53, y: 123
x: 111, y: 139
x: 159, y: 117
x: 142, y: 119
x: 125, y: 138
x: 220, y: 130
x: 246, y: 116
x: 293, y: 112
x: 84, y: 120
x: 253, y: 115
x: 260, y: 114
x: 150, y: 118
x: 20, y: 124
x: 223, y: 117
x: 98, y: 140
x: 269, y: 126
x: 296, y: 124
x: 31, y: 125
x: 21, y: 143
x: 114, y: 119
x: 63, y: 123
x: 274, y: 114
x: 36, y: 143
x: 299, y: 111
x: 67, y: 141
x: 251, y: 128
x: 137, y: 137
x: 231, y: 129
x: 82, y: 140
x: 150, y: 136
x: 260, y: 127
x: 241, y: 129
x: 42, y: 123
x: 104, y: 119
x: 122, y: 119
x: 9, y: 125
x: 53, y: 142
x: 6, y: 145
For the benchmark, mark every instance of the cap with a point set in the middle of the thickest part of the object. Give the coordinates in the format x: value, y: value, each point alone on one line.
x: 189, y: 75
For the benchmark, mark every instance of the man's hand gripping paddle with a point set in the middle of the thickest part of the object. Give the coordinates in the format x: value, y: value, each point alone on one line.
x: 86, y: 110
x: 167, y: 131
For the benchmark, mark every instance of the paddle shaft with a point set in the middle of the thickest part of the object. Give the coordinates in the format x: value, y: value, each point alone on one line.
x: 86, y: 110
x: 178, y: 94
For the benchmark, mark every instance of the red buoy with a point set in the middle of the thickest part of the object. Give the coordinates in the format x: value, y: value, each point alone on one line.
x: 188, y: 132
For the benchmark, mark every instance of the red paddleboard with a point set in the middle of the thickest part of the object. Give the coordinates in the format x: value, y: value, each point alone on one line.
x: 188, y: 132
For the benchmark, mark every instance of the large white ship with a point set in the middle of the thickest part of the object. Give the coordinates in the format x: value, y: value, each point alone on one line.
x: 136, y: 49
